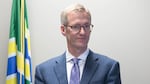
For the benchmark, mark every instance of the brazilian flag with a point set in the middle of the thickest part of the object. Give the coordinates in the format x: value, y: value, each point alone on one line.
x: 19, y: 51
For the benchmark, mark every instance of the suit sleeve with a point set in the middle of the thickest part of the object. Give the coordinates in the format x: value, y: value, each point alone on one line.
x: 38, y: 77
x: 113, y: 76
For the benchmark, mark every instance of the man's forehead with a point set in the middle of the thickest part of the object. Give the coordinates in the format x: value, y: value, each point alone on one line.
x: 81, y: 15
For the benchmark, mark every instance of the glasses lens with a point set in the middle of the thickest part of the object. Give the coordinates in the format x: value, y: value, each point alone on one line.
x: 77, y: 28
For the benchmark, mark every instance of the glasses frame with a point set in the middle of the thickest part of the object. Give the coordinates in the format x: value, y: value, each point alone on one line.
x: 77, y: 28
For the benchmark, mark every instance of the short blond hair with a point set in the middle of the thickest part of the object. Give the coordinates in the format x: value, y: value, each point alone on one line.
x: 73, y: 7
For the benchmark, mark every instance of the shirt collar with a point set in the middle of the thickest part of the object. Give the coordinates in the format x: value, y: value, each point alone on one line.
x: 83, y: 56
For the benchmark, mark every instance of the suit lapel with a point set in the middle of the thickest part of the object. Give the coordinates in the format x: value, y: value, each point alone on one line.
x: 60, y: 70
x: 89, y: 69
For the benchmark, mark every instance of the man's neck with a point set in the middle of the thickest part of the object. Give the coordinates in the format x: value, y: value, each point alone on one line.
x: 76, y: 51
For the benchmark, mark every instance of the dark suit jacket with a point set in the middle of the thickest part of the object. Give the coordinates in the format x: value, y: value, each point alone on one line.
x: 98, y: 69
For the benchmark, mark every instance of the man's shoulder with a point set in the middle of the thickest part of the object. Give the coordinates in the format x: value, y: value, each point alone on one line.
x: 104, y: 58
x: 50, y: 62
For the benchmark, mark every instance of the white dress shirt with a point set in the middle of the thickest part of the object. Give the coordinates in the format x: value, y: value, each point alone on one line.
x: 69, y: 63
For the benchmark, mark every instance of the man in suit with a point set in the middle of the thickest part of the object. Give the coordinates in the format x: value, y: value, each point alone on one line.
x: 90, y: 68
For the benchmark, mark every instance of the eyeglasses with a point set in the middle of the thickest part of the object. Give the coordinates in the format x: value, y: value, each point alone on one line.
x: 77, y: 28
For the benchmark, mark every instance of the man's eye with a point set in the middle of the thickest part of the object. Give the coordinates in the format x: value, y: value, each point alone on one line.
x: 86, y: 26
x: 76, y: 27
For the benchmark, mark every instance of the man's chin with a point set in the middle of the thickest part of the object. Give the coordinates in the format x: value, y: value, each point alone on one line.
x: 82, y: 45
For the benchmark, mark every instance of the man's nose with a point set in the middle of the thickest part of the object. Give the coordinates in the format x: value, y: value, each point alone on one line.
x: 82, y: 30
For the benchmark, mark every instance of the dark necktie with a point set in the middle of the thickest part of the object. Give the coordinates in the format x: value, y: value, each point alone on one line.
x: 75, y: 72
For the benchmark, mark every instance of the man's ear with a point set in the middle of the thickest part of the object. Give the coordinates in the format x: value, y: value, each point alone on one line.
x: 63, y: 30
